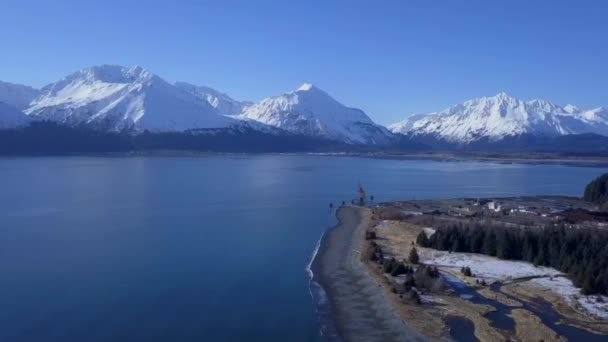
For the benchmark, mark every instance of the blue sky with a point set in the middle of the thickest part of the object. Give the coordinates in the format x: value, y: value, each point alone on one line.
x: 390, y: 58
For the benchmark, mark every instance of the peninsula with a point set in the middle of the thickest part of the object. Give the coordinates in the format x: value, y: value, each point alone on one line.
x: 389, y: 278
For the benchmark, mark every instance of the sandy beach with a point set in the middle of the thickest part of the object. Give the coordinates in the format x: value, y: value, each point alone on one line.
x: 362, y: 311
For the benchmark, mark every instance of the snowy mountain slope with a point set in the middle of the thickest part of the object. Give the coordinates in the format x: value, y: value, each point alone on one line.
x: 17, y: 95
x: 118, y: 98
x: 224, y: 104
x: 312, y: 112
x: 11, y: 117
x: 503, y: 116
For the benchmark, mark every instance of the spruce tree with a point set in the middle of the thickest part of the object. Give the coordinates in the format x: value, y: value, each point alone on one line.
x: 413, y: 258
x: 422, y: 239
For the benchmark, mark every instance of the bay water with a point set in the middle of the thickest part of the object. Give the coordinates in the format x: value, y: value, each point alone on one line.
x: 210, y: 248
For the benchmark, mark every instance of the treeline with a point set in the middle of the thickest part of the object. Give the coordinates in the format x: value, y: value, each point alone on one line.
x: 580, y: 253
x: 597, y: 190
x: 49, y: 138
x: 587, y: 144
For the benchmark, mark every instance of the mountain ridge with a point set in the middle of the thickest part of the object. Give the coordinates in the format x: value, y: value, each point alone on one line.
x: 120, y: 98
x: 502, y: 116
x: 132, y: 99
x: 311, y: 111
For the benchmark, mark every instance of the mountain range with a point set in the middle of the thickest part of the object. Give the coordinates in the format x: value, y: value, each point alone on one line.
x: 503, y: 116
x: 133, y: 100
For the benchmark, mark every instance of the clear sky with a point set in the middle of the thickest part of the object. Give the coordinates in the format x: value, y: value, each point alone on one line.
x: 389, y: 58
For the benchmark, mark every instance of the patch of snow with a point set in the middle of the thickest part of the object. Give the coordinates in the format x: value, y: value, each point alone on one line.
x: 566, y: 289
x: 305, y: 87
x: 488, y: 267
x: 428, y: 231
x: 384, y: 224
x: 484, y: 266
x: 427, y: 299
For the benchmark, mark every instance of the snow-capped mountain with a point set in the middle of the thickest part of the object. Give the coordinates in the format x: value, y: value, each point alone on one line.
x: 500, y: 116
x: 224, y: 104
x: 17, y: 95
x: 119, y: 98
x: 312, y: 112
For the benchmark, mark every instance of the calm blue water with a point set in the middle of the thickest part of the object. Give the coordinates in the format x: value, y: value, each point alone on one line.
x: 193, y: 249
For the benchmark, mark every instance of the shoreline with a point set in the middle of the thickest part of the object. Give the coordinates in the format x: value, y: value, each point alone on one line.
x: 498, y: 158
x: 487, y: 157
x: 359, y: 306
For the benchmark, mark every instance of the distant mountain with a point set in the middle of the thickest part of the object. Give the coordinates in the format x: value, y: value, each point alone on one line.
x: 495, y: 118
x: 101, y: 103
x: 11, y: 117
x: 117, y: 98
x: 310, y: 111
x: 224, y: 104
x: 17, y: 95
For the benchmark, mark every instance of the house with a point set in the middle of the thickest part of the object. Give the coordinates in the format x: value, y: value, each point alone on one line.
x: 494, y: 206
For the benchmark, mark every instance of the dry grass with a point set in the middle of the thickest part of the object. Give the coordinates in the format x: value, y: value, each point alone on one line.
x: 499, y: 297
x: 528, y: 327
x: 528, y: 292
x: 397, y: 239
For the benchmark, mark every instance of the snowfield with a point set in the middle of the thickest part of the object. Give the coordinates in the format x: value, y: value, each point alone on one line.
x: 486, y: 267
x: 385, y: 224
x: 492, y: 268
x: 564, y: 287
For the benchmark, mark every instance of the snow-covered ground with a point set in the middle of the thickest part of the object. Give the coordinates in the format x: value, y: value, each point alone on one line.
x: 428, y: 231
x: 385, y: 224
x: 492, y: 268
x: 564, y: 287
x: 487, y: 267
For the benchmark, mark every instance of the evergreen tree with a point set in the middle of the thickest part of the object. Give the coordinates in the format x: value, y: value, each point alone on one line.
x: 489, y: 243
x: 503, y: 245
x: 581, y: 253
x: 422, y: 239
x: 597, y: 190
x: 413, y: 257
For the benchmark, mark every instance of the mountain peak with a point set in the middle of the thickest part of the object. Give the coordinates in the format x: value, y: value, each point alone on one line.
x: 111, y: 73
x: 503, y: 96
x: 570, y: 108
x: 311, y: 111
x: 307, y: 87
x: 117, y: 98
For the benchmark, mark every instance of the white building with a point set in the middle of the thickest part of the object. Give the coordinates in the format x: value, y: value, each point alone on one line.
x: 493, y: 205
